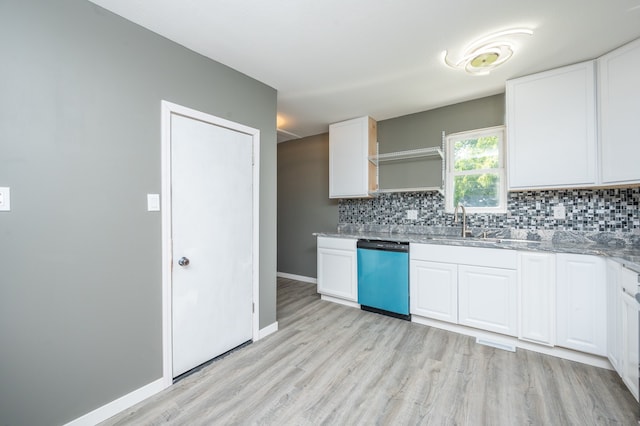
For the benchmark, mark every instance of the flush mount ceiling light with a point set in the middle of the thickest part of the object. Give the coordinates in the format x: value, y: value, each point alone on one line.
x: 486, y: 53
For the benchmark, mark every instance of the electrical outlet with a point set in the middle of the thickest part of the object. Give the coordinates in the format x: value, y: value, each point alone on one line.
x: 412, y: 214
x: 559, y: 212
x: 153, y: 202
x: 5, y: 199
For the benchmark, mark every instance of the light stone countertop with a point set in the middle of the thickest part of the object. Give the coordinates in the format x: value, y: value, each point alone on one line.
x: 629, y: 257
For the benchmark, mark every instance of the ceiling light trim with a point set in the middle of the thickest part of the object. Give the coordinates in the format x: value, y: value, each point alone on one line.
x: 494, y: 47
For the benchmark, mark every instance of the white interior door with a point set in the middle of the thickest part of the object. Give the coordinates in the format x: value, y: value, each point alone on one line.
x: 212, y: 227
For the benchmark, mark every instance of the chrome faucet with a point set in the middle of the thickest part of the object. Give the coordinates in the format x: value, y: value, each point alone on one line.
x: 465, y: 231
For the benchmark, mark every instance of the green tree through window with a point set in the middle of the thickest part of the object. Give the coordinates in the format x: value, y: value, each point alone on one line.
x: 475, y: 171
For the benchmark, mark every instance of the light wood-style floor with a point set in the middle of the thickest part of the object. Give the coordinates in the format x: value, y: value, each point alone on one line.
x: 334, y: 365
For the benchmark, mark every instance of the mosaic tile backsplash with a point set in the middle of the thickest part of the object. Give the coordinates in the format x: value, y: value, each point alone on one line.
x: 530, y: 212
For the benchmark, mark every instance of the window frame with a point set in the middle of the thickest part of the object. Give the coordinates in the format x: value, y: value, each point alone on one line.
x: 450, y: 174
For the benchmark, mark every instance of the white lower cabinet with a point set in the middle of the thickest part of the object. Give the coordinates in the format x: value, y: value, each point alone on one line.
x: 337, y: 268
x: 614, y: 315
x: 581, y: 303
x: 488, y: 299
x: 622, y: 323
x: 629, y: 315
x: 434, y: 290
x: 536, y: 297
x: 475, y: 287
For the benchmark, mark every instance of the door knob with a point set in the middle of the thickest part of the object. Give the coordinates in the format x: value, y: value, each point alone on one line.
x: 183, y: 261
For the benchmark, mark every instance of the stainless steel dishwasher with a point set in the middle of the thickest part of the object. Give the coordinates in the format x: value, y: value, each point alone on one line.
x: 383, y: 277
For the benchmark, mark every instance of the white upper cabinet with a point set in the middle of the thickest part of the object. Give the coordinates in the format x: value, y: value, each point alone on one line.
x: 551, y: 128
x: 351, y: 142
x: 619, y: 97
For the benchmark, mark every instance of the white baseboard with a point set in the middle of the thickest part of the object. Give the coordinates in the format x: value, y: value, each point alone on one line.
x: 340, y: 301
x: 302, y: 278
x: 124, y: 402
x: 594, y: 360
x: 270, y: 329
x: 127, y: 401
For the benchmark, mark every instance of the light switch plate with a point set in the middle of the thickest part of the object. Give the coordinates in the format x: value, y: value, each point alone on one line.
x: 153, y: 202
x: 5, y: 199
x: 412, y: 214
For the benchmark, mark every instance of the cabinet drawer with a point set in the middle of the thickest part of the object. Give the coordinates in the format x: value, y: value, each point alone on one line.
x: 337, y: 243
x: 474, y: 256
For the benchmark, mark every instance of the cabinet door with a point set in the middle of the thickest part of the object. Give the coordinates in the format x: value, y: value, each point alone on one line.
x: 581, y: 303
x: 630, y: 352
x: 537, y: 283
x: 337, y: 271
x: 434, y: 290
x: 551, y: 128
x: 487, y: 299
x: 614, y: 315
x: 351, y: 174
x: 619, y: 99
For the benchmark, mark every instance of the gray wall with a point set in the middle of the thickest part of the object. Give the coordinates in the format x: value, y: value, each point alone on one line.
x: 304, y: 206
x: 303, y: 173
x: 80, y: 257
x: 424, y: 129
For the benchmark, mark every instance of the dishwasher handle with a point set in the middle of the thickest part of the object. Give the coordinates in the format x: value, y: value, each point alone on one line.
x: 398, y: 246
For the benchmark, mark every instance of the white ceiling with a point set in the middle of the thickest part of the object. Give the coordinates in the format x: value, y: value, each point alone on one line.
x: 331, y: 60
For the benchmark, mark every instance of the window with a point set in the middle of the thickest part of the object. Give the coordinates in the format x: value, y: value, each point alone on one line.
x: 475, y: 171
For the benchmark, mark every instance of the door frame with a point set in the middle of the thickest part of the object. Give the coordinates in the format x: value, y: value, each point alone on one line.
x: 169, y: 108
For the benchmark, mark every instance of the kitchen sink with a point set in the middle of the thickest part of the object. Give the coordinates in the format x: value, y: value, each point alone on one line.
x: 488, y: 241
